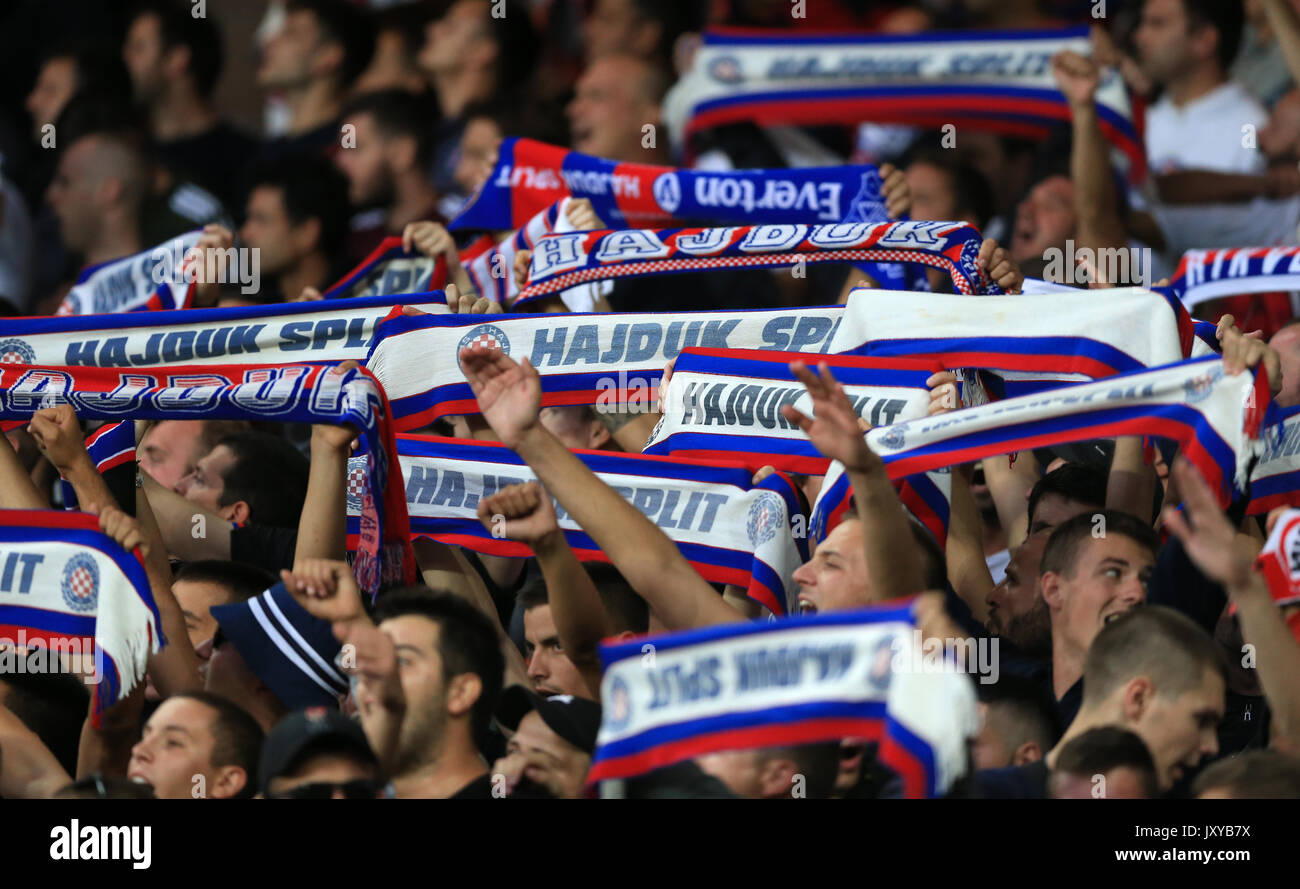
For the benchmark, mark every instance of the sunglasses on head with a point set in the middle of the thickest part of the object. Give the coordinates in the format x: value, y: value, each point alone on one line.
x: 361, y: 789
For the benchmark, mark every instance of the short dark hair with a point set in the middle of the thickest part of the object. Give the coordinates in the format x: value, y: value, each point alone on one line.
x: 818, y: 763
x: 467, y: 643
x: 178, y: 27
x: 348, y: 25
x: 627, y: 611
x: 244, y: 581
x: 1154, y: 641
x: 971, y: 190
x: 1062, y: 550
x: 52, y: 705
x: 1080, y: 482
x: 1099, y: 750
x: 269, y: 474
x: 311, y: 188
x: 1255, y: 774
x: 518, y: 48
x: 1029, y: 706
x: 236, y: 737
x: 1227, y: 17
x: 398, y: 114
x: 100, y: 786
x: 98, y: 65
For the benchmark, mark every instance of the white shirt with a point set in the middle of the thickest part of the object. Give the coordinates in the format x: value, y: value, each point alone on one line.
x: 1215, y: 132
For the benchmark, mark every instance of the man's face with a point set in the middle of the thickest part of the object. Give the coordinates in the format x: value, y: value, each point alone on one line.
x: 55, y: 85
x: 987, y: 748
x: 608, y: 110
x: 196, y: 597
x: 175, y: 748
x: 1182, y: 730
x: 478, y: 152
x: 1053, y: 510
x: 1287, y: 343
x: 573, y: 426
x: 419, y: 666
x: 1017, y: 611
x: 1119, y: 783
x: 549, y: 668
x: 835, y: 578
x: 370, y: 177
x: 1109, y: 578
x: 142, y: 52
x: 170, y: 451
x: 1161, y: 40
x: 324, y: 768
x: 287, y: 56
x: 932, y: 194
x: 553, y: 762
x: 1045, y: 218
x: 267, y: 228
x: 449, y: 42
x: 740, y: 770
x: 613, y: 27
x: 73, y: 195
x: 207, y: 483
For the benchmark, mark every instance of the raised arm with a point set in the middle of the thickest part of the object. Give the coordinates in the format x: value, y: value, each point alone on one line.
x: 189, y: 531
x: 58, y: 435
x: 1131, y: 484
x: 509, y: 397
x: 28, y: 770
x: 1100, y: 225
x: 17, y: 490
x: 894, y: 566
x: 525, y: 513
x: 1228, y: 558
x: 328, y: 590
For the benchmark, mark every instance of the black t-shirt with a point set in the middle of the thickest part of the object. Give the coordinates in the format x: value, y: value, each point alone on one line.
x: 1013, y: 782
x: 216, y: 159
x: 479, y: 788
x: 264, y: 546
x: 1068, y: 706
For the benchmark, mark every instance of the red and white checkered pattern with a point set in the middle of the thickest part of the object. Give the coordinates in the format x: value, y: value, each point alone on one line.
x: 82, y: 582
x: 767, y: 260
x: 486, y: 340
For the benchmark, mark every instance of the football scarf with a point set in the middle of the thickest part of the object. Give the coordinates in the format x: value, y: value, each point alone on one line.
x: 926, y: 496
x: 323, y: 330
x: 999, y: 80
x: 1275, y: 479
x: 1215, y: 418
x: 389, y: 270
x: 492, y: 271
x: 1030, y: 342
x: 726, y: 404
x: 1209, y: 274
x: 66, y: 588
x: 563, y: 260
x: 859, y: 674
x: 597, y: 359
x: 110, y: 446
x: 158, y: 278
x: 530, y: 176
x: 301, y: 393
x: 1279, y: 561
x: 729, y: 529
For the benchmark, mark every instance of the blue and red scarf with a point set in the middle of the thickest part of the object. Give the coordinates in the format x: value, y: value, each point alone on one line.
x: 158, y: 278
x: 563, y: 260
x: 390, y: 270
x: 1275, y: 479
x: 995, y: 80
x: 730, y: 530
x: 597, y: 359
x: 302, y: 393
x: 726, y: 404
x: 1211, y: 274
x: 530, y: 176
x: 853, y: 674
x: 327, y: 330
x: 67, y: 589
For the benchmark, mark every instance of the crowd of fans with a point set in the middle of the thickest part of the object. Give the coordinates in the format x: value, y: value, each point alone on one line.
x: 1121, y: 654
